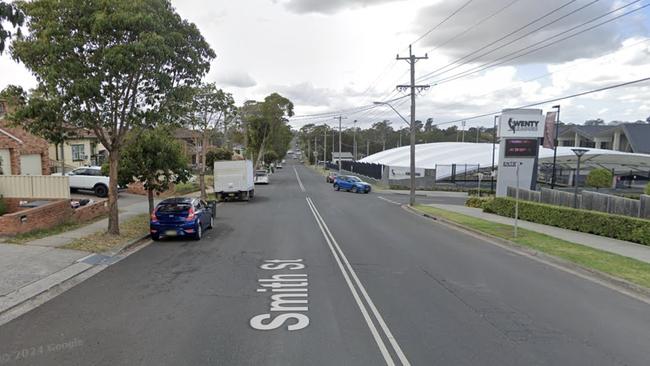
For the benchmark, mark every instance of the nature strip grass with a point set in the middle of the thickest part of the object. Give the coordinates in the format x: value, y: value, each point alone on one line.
x: 130, y: 229
x: 42, y: 233
x: 629, y: 269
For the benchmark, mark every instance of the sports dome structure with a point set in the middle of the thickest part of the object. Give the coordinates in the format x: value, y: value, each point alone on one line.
x: 475, y: 155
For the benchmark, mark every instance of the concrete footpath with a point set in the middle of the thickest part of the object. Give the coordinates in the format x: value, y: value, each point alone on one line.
x: 624, y: 248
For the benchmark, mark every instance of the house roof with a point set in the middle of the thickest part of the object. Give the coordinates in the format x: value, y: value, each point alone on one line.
x: 588, y: 131
x: 638, y: 134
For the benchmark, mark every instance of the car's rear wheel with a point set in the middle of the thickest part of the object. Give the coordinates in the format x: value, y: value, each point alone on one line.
x: 211, y: 222
x: 199, y: 231
x: 336, y: 186
x: 101, y: 190
x: 355, y: 189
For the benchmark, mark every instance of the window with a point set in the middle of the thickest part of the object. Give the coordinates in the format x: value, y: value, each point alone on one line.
x: 603, y: 145
x: 78, y: 152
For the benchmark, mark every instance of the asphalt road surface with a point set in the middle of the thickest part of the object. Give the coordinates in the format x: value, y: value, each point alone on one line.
x: 304, y: 275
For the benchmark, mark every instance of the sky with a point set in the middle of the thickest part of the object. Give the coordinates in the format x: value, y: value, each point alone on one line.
x: 336, y: 55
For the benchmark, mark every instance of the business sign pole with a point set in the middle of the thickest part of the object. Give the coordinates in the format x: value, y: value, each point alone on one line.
x: 520, y: 131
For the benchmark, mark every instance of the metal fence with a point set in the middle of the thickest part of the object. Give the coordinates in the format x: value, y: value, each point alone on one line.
x: 34, y: 186
x: 366, y: 169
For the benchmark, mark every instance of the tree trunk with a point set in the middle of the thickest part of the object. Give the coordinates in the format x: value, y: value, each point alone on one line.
x: 62, y: 158
x: 150, y: 199
x: 113, y: 218
x: 204, y: 195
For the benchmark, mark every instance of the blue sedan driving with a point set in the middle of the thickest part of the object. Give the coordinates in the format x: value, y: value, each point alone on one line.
x: 181, y: 217
x: 351, y: 183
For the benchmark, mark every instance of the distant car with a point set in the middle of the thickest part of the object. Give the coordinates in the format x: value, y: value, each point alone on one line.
x: 261, y: 177
x: 352, y: 184
x: 331, y: 176
x: 181, y: 217
x: 278, y: 166
x: 88, y: 178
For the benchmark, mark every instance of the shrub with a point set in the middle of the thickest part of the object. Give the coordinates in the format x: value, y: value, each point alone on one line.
x: 477, y: 202
x: 593, y: 222
x: 647, y: 189
x: 599, y: 178
x: 3, y: 206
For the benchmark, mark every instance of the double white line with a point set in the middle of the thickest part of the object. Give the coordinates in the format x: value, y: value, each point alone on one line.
x: 356, y: 287
x: 302, y: 188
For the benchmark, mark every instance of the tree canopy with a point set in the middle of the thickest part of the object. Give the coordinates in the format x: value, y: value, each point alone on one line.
x: 9, y: 13
x: 266, y: 125
x: 599, y: 178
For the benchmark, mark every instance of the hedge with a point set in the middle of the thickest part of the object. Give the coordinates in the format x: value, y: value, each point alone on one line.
x: 476, y: 202
x: 593, y: 222
x: 3, y: 207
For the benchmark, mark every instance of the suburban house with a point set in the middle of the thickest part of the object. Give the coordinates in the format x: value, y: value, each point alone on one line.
x: 82, y: 150
x: 21, y: 153
x: 626, y: 137
x: 191, y: 142
x: 344, y: 156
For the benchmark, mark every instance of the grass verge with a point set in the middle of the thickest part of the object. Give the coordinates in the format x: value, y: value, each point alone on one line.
x: 185, y: 188
x: 130, y: 229
x: 42, y: 233
x: 629, y: 269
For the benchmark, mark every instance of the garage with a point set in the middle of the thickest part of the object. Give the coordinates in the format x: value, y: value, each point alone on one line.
x: 30, y: 164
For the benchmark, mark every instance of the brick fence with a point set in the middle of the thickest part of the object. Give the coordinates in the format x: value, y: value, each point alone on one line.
x: 23, y: 220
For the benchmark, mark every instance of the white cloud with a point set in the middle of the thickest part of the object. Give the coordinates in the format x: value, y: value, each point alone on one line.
x: 236, y: 78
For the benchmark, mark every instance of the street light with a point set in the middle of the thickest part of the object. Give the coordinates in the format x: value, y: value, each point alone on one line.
x: 557, y: 127
x: 579, y: 153
x: 412, y: 170
x: 494, y: 142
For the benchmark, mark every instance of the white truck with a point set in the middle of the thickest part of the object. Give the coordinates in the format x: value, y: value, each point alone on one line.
x: 234, y: 180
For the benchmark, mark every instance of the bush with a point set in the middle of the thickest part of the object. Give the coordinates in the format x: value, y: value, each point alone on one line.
x: 647, y: 189
x: 477, y: 202
x: 475, y: 192
x: 593, y: 222
x: 599, y: 178
x: 3, y: 206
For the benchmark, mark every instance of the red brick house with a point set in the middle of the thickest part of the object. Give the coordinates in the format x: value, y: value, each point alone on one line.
x: 21, y: 153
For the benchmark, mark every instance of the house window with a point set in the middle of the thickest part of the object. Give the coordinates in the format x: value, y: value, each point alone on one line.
x: 78, y: 153
x: 603, y: 145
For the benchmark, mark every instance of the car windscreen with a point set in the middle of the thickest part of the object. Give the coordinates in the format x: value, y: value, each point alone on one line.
x: 354, y: 179
x: 173, y: 207
x: 260, y: 174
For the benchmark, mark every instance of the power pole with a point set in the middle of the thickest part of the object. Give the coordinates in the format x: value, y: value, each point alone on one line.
x: 354, y: 134
x: 463, y: 123
x: 340, y: 133
x: 315, y: 150
x: 412, y: 59
x: 325, y: 144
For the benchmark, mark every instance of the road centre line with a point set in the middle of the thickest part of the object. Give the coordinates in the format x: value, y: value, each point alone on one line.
x: 389, y: 201
x: 302, y: 188
x: 343, y: 263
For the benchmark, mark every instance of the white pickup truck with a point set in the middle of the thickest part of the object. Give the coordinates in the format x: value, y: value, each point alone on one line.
x: 88, y: 178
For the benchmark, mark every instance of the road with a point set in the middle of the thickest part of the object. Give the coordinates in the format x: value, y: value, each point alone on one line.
x: 382, y: 286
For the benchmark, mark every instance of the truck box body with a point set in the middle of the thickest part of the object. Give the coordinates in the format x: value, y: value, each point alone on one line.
x: 234, y: 179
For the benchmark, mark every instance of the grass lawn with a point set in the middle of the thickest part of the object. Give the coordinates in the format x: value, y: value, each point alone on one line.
x: 185, y: 188
x: 130, y: 229
x: 42, y: 233
x: 629, y: 269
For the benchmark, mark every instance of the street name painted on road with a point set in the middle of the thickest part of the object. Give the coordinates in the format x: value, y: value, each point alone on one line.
x: 289, y: 292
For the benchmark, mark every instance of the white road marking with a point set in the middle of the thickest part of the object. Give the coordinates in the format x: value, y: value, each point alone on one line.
x: 302, y: 188
x: 389, y: 201
x: 343, y: 263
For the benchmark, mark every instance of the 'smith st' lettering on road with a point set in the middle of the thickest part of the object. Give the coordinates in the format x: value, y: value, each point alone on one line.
x: 288, y: 296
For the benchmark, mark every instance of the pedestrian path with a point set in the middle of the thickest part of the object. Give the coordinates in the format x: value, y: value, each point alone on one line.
x: 621, y: 247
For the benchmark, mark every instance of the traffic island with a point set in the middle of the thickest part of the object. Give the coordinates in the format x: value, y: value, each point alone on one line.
x: 621, y: 271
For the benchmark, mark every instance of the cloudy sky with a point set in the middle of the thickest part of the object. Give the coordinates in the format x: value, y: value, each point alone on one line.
x: 336, y: 55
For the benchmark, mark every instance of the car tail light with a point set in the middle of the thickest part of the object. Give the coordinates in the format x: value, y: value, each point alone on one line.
x: 190, y: 214
x: 154, y: 218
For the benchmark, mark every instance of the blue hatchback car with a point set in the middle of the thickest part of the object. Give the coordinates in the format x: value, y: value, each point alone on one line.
x: 351, y: 183
x: 181, y: 217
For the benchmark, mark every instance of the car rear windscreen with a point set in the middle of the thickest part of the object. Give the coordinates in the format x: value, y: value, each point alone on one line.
x: 173, y: 207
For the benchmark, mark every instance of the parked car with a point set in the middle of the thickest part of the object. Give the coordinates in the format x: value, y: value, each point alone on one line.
x: 331, y: 176
x: 181, y: 217
x: 278, y: 165
x: 261, y: 177
x: 88, y: 178
x: 352, y: 184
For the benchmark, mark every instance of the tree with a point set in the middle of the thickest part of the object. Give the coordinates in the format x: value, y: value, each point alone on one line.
x: 599, y: 178
x: 154, y: 158
x: 218, y: 154
x: 428, y: 126
x: 10, y: 13
x: 210, y: 106
x: 14, y: 95
x: 595, y: 122
x: 264, y: 122
x: 114, y: 66
x: 382, y: 130
x: 270, y: 157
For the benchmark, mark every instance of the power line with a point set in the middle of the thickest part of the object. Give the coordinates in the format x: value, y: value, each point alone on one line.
x: 442, y: 22
x: 506, y: 58
x: 500, y: 39
x: 429, y: 76
x: 627, y: 83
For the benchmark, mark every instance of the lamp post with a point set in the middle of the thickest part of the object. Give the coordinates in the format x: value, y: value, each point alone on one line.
x: 557, y: 127
x: 494, y: 142
x: 412, y: 170
x: 579, y: 153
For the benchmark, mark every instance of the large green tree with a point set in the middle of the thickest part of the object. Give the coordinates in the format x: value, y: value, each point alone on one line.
x: 154, y: 158
x: 9, y: 12
x: 114, y: 65
x: 264, y: 123
x: 209, y: 108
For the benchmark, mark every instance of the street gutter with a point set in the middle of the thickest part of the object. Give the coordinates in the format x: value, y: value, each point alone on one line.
x: 620, y: 285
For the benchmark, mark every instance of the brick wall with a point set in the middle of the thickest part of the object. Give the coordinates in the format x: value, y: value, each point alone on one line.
x: 43, y: 217
x: 90, y: 212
